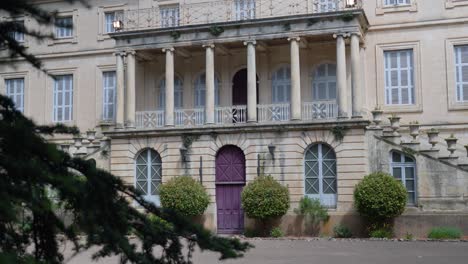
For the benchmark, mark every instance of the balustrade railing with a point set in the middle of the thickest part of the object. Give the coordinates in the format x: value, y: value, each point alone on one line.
x: 149, y: 119
x: 189, y: 117
x: 319, y: 110
x: 273, y: 112
x: 228, y: 10
x: 231, y: 114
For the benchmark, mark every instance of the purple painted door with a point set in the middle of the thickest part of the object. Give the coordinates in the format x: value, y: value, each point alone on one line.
x: 230, y: 179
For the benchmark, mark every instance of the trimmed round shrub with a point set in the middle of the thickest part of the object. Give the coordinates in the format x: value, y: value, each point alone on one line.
x: 265, y: 198
x: 380, y: 197
x: 184, y: 195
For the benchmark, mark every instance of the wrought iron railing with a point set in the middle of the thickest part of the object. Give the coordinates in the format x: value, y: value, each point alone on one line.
x: 231, y: 114
x: 319, y: 110
x: 149, y: 119
x: 217, y: 11
x: 273, y: 112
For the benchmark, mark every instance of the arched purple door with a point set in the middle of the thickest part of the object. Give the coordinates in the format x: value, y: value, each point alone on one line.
x: 230, y: 179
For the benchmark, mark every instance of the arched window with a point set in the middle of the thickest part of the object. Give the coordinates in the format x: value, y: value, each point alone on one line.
x: 148, y: 174
x: 404, y: 169
x: 281, y: 85
x: 324, y: 83
x: 178, y: 93
x: 200, y: 90
x: 320, y: 174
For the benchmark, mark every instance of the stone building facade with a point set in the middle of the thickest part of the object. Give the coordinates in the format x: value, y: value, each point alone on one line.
x: 225, y: 90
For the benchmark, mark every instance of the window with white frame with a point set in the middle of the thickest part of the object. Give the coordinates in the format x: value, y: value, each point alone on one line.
x: 108, y: 95
x: 148, y: 176
x: 64, y: 27
x: 399, y: 77
x: 200, y: 91
x: 178, y: 93
x: 15, y: 90
x: 320, y: 174
x: 63, y: 98
x: 169, y: 16
x: 404, y: 169
x: 109, y: 18
x: 396, y: 2
x: 244, y: 9
x: 327, y: 6
x: 17, y: 35
x: 281, y: 85
x: 461, y: 69
x: 324, y: 83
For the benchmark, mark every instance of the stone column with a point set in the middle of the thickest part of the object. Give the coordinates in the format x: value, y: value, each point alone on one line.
x: 296, y: 105
x: 356, y: 76
x: 120, y: 101
x: 251, y: 81
x: 169, y: 110
x: 210, y: 85
x: 130, y: 90
x: 341, y: 75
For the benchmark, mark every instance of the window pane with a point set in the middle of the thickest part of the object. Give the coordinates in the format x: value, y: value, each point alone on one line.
x: 397, y: 172
x: 410, y: 185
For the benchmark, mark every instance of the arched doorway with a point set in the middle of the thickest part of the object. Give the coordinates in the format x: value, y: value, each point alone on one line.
x: 230, y: 179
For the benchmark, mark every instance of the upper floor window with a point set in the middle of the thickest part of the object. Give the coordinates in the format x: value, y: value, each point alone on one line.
x: 399, y: 77
x: 15, y: 90
x: 109, y: 87
x: 324, y: 83
x: 244, y: 9
x: 109, y: 18
x: 178, y: 93
x: 281, y: 85
x: 169, y: 16
x: 461, y: 68
x: 404, y: 169
x: 64, y: 27
x: 18, y: 35
x: 63, y: 98
x: 396, y: 2
x: 200, y: 91
x: 327, y: 6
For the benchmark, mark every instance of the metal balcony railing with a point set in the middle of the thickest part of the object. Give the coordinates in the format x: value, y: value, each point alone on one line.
x: 227, y: 11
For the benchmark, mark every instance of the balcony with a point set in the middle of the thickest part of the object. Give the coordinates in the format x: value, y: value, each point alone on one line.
x: 226, y: 11
x: 234, y: 115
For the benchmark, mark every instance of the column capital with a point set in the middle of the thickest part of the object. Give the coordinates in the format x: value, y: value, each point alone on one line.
x: 250, y: 41
x: 168, y: 49
x: 208, y: 45
x: 294, y: 38
x: 130, y: 52
x: 344, y: 35
x: 120, y: 53
x: 355, y: 34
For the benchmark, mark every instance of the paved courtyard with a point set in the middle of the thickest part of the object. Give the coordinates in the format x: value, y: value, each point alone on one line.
x: 334, y: 252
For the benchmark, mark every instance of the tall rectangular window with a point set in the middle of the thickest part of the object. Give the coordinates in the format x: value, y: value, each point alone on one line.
x: 64, y: 27
x: 15, y: 90
x: 63, y: 98
x: 169, y: 16
x: 18, y: 36
x: 109, y: 87
x: 397, y: 2
x: 399, y: 77
x: 461, y: 69
x: 244, y: 9
x: 109, y: 18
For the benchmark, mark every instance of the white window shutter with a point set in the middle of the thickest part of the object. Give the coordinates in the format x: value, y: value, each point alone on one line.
x: 461, y: 70
x: 399, y: 77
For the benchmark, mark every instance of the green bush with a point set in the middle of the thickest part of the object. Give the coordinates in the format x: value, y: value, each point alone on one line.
x: 342, y: 231
x: 445, y: 233
x: 249, y: 232
x: 276, y: 232
x: 313, y: 212
x: 381, y: 233
x: 185, y: 195
x: 265, y: 198
x: 380, y: 197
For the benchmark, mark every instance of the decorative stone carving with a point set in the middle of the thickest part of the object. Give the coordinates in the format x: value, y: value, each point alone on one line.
x: 433, y: 134
x: 395, y: 125
x: 414, y: 131
x: 377, y: 114
x: 451, y: 144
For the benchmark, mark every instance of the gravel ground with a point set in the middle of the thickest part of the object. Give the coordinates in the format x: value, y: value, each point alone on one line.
x: 325, y: 251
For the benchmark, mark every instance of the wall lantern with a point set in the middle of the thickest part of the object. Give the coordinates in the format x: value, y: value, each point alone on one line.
x: 183, y: 153
x: 350, y: 3
x: 118, y: 25
x: 271, y: 149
